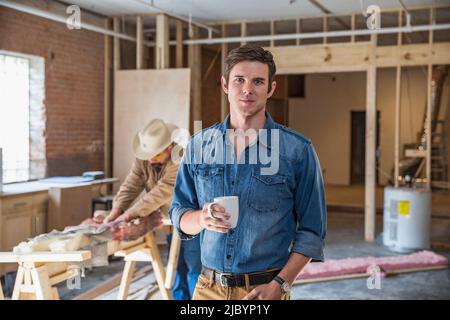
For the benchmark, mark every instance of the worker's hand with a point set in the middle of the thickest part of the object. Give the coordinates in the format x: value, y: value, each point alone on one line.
x: 219, y: 221
x: 99, y: 216
x: 268, y: 291
x: 115, y: 212
x: 126, y: 216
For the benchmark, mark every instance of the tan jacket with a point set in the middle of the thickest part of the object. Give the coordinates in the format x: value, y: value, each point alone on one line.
x: 158, y: 182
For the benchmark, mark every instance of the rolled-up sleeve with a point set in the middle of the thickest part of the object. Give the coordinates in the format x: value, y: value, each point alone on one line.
x: 184, y: 196
x: 310, y: 207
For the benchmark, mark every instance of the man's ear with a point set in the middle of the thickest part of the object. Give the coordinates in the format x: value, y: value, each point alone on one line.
x: 224, y: 85
x: 274, y: 85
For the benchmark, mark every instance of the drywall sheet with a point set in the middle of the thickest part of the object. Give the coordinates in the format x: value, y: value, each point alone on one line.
x: 140, y: 96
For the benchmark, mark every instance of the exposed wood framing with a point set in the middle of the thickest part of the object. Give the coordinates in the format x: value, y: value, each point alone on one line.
x: 139, y: 43
x: 272, y: 32
x: 195, y: 64
x: 355, y: 57
x: 116, y: 22
x: 243, y: 31
x: 162, y: 42
x: 398, y: 84
x: 107, y: 102
x: 371, y: 112
x: 179, y: 45
x: 223, y: 96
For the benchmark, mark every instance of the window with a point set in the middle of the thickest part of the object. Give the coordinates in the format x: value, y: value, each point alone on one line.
x: 14, y: 117
x: 22, y: 117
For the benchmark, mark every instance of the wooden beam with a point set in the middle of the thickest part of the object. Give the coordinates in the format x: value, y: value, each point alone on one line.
x: 172, y: 263
x: 243, y: 32
x: 47, y: 256
x: 353, y: 26
x: 162, y: 42
x: 116, y: 22
x: 107, y: 101
x: 429, y: 106
x: 223, y: 96
x: 195, y: 64
x: 272, y: 32
x: 325, y: 28
x: 179, y: 45
x: 356, y: 57
x: 298, y: 29
x: 371, y: 133
x: 398, y: 84
x: 331, y: 15
x: 139, y: 43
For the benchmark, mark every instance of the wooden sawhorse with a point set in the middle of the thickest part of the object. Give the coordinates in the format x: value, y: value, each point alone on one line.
x: 33, y: 280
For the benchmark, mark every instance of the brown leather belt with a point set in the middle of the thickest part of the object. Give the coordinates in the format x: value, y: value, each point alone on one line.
x: 238, y: 279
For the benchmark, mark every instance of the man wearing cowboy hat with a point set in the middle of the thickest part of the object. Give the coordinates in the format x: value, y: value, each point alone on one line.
x: 155, y: 172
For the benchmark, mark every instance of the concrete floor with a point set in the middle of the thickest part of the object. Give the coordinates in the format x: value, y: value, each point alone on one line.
x: 344, y: 240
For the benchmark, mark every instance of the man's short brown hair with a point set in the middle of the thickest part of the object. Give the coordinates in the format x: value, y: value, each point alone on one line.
x: 250, y: 52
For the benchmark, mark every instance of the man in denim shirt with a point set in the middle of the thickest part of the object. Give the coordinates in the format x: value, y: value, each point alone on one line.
x: 275, y: 173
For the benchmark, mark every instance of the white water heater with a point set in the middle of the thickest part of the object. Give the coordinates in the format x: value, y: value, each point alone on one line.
x: 406, y: 219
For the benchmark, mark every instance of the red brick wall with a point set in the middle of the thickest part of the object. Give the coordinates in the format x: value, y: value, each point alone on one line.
x: 73, y: 87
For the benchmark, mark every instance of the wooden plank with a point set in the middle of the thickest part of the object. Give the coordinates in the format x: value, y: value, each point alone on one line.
x: 125, y: 252
x: 107, y: 134
x: 194, y: 64
x: 223, y: 96
x: 243, y: 32
x: 125, y: 282
x: 162, y: 42
x: 298, y: 29
x: 353, y: 25
x: 64, y: 276
x: 365, y: 275
x: 398, y: 84
x: 142, y: 255
x: 139, y: 43
x: 428, y: 126
x: 172, y: 262
x: 41, y: 282
x: 179, y: 45
x: 109, y: 285
x: 421, y: 269
x: 116, y: 44
x: 414, y: 153
x: 369, y: 212
x: 18, y: 283
x: 75, y: 256
x: 345, y: 57
x: 272, y: 32
x: 158, y: 266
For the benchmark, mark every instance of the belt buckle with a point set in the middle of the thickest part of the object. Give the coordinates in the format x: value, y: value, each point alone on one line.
x: 222, y: 280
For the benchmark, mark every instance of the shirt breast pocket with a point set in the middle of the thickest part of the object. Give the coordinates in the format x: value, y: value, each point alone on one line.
x: 209, y: 183
x: 266, y: 192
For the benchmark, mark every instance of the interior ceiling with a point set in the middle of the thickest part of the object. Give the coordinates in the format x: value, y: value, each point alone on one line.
x: 219, y: 10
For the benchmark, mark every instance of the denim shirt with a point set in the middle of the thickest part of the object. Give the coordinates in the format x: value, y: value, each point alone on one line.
x: 281, y: 207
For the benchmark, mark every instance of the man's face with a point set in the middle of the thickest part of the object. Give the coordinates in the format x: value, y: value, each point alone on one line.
x: 247, y: 87
x: 162, y: 157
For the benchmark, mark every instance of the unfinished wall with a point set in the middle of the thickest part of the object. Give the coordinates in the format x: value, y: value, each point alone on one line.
x: 324, y: 115
x: 73, y: 84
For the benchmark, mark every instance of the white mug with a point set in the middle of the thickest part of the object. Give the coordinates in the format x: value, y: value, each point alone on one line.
x: 231, y: 205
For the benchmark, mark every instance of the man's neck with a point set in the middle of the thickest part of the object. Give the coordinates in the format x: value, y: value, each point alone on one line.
x: 255, y: 122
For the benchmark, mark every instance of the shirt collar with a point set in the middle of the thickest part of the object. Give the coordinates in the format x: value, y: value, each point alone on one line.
x: 268, y: 125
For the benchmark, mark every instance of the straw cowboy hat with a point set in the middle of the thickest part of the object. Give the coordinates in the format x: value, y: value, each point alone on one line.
x: 153, y: 139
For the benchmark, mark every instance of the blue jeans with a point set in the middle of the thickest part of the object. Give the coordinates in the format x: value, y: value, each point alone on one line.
x: 188, y: 268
